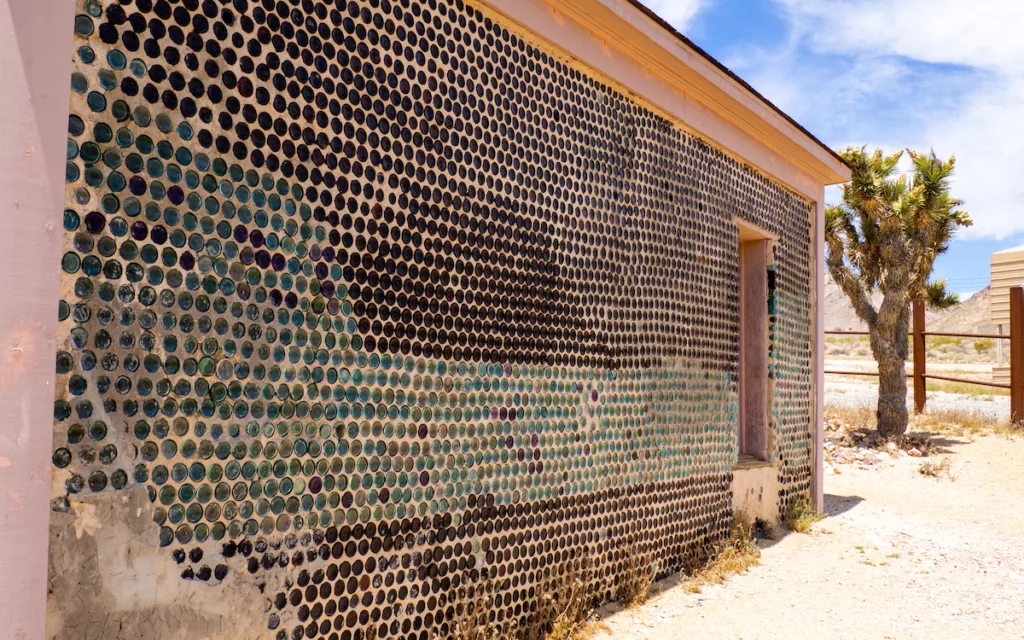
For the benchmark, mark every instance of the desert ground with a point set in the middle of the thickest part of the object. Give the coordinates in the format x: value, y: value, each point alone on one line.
x: 898, y: 555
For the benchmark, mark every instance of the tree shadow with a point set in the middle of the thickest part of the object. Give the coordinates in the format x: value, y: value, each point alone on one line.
x: 945, y: 442
x: 779, y: 533
x: 836, y: 505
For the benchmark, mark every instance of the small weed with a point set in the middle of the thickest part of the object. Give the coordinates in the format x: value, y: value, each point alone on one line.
x: 800, y: 516
x: 859, y: 548
x: 892, y: 556
x: 936, y: 469
x: 983, y: 345
x: 562, y: 613
x: 942, y: 341
x: 475, y: 602
x: 635, y: 580
x: 734, y: 555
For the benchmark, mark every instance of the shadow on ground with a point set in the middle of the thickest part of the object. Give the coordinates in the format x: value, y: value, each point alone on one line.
x: 835, y: 505
x: 838, y: 505
x: 942, y: 443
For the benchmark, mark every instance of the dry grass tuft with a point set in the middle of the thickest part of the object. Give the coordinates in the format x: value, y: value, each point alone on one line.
x: 563, y: 611
x: 984, y: 345
x: 735, y: 554
x: 935, y: 420
x: 570, y: 621
x: 800, y: 516
x: 860, y: 417
x: 633, y: 584
x: 472, y: 609
x: 937, y: 469
x: 861, y: 424
x: 965, y: 389
x: 964, y: 423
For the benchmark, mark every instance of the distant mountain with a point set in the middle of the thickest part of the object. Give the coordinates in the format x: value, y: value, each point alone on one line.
x: 970, y: 316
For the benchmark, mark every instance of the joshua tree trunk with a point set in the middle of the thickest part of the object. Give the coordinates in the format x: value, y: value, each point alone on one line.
x: 889, y: 346
x: 892, y: 397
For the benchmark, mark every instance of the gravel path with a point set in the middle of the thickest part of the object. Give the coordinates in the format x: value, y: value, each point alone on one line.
x: 901, y: 555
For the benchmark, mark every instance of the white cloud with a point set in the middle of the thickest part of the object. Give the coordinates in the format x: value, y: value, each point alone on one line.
x: 941, y: 74
x: 977, y: 34
x: 988, y: 140
x: 678, y: 13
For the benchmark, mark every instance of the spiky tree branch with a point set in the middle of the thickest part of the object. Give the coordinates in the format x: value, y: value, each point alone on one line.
x: 838, y: 223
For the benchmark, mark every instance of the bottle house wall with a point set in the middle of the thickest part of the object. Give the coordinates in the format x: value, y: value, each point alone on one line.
x: 365, y: 303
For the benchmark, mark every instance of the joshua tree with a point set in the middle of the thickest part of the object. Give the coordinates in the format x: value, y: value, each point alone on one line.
x: 885, y: 237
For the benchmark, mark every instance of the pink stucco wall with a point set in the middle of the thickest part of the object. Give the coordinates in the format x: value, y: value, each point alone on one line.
x: 35, y: 62
x: 818, y: 423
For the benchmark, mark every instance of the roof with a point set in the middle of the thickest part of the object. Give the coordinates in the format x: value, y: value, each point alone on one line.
x: 724, y: 69
x: 1010, y: 250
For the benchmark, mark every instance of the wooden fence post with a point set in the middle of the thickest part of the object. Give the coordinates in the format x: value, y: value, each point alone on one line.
x: 919, y: 357
x: 1016, y: 355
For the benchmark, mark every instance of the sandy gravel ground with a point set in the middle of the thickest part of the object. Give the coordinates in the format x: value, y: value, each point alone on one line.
x: 852, y: 391
x: 855, y: 394
x: 901, y: 555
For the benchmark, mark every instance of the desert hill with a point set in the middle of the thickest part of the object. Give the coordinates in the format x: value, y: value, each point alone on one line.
x: 970, y: 316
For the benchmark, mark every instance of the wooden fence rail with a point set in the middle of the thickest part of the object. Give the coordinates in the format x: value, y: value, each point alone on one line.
x: 920, y: 374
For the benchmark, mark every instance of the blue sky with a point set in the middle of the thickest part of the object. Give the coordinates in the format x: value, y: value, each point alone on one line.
x: 941, y: 74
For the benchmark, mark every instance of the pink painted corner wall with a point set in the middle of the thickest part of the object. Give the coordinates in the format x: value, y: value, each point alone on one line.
x: 35, y: 63
x: 754, y: 397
